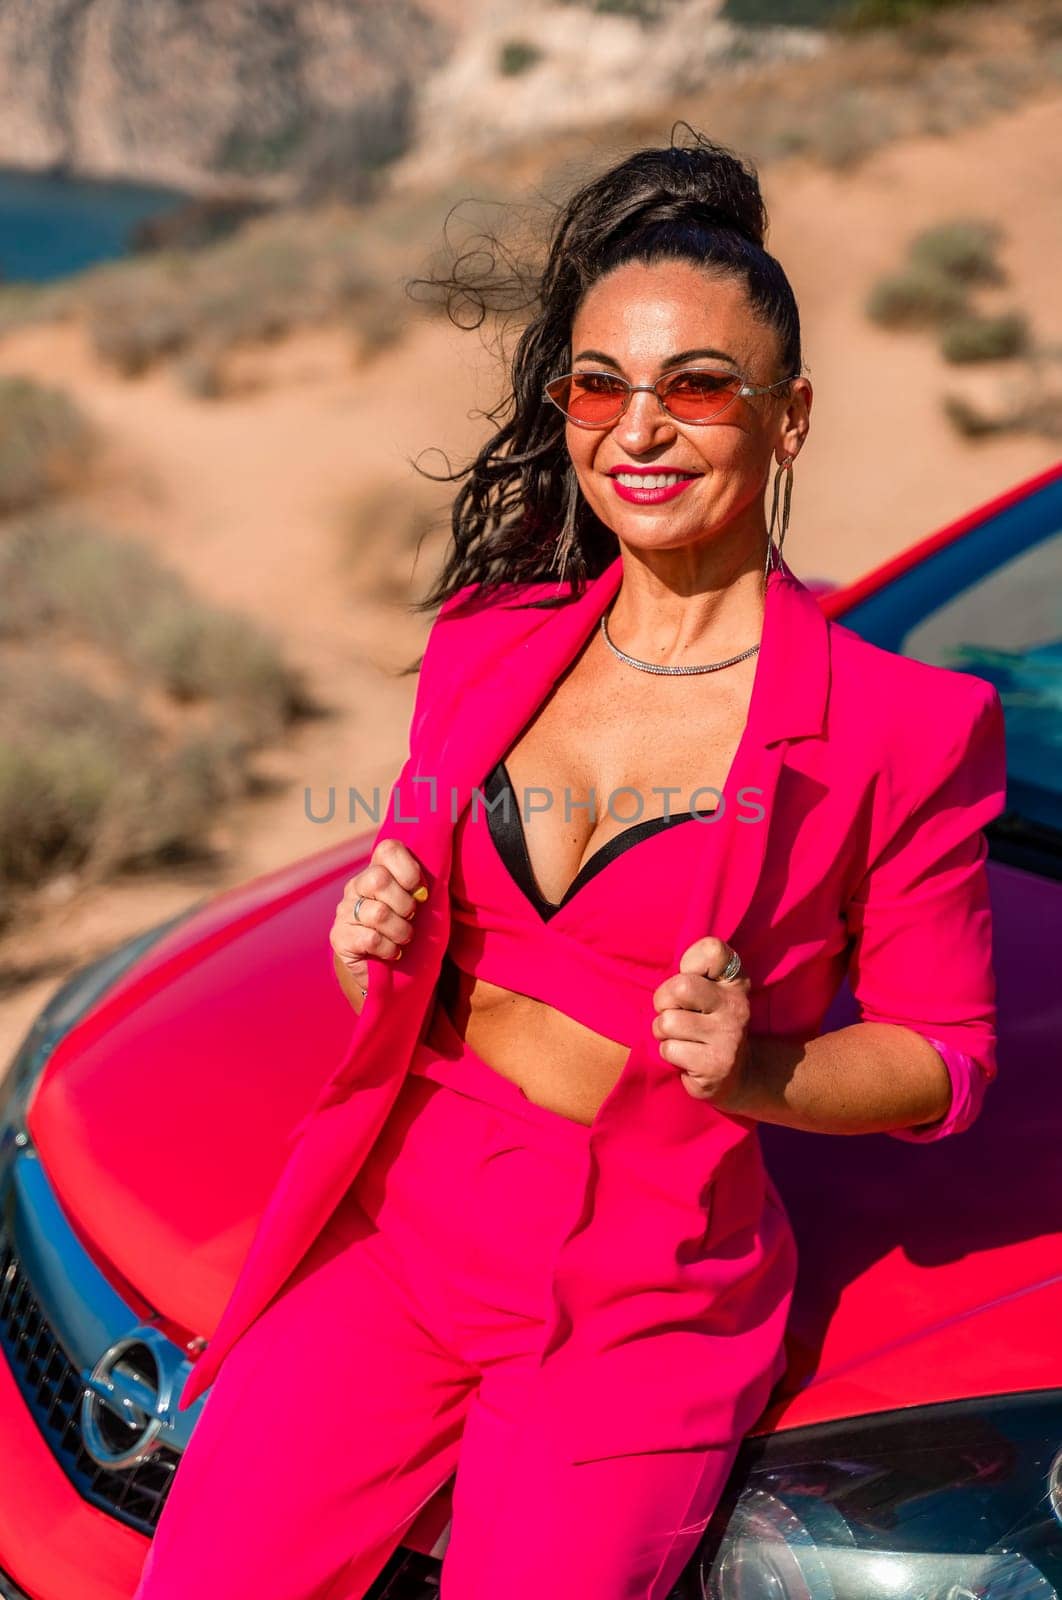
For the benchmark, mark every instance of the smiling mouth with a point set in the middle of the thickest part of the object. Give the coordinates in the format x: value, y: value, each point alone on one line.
x: 651, y: 480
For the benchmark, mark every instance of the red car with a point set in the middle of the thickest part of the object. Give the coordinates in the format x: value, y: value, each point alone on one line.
x: 914, y: 1448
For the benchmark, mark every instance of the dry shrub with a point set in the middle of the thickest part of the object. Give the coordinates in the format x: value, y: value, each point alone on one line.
x: 199, y: 652
x: 943, y: 263
x: 858, y: 14
x: 87, y: 783
x: 850, y: 128
x: 962, y: 250
x: 133, y: 331
x: 281, y: 272
x: 377, y: 330
x: 516, y: 55
x: 1034, y: 407
x: 117, y: 595
x: 971, y: 420
x: 946, y: 265
x: 979, y: 338
x: 45, y: 442
x: 201, y: 374
x: 919, y: 297
x: 132, y: 774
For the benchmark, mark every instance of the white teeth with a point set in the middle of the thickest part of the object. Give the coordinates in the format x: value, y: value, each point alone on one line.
x: 649, y: 480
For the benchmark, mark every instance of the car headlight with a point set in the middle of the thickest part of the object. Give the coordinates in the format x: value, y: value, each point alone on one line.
x: 70, y: 1003
x: 947, y: 1502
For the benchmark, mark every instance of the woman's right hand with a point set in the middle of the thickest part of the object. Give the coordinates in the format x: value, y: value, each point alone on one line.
x: 389, y: 888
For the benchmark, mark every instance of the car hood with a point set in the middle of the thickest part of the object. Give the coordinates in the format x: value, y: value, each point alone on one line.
x: 164, y: 1118
x: 927, y: 1273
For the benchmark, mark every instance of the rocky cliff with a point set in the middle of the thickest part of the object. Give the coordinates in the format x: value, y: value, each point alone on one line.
x: 274, y: 98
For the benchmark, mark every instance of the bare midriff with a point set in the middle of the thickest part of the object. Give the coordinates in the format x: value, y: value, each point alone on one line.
x: 558, y: 1062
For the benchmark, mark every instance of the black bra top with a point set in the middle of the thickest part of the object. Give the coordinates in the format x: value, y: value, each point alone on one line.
x: 507, y: 832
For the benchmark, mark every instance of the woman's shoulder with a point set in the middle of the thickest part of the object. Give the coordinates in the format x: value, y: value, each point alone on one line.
x: 919, y: 722
x: 479, y: 600
x: 869, y: 680
x: 476, y: 617
x: 472, y: 625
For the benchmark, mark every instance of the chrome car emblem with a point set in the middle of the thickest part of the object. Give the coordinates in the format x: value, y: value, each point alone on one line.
x: 1054, y: 1486
x: 127, y: 1398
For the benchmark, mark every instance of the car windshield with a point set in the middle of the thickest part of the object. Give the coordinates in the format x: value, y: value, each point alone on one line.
x: 1006, y: 626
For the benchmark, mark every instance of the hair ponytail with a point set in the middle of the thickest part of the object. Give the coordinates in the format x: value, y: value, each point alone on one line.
x: 699, y: 203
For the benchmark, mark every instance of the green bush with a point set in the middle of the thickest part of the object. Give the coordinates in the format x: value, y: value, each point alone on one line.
x: 44, y: 442
x: 115, y: 594
x: 979, y: 338
x: 64, y: 752
x: 647, y: 12
x: 1038, y: 411
x: 847, y: 14
x: 293, y: 269
x: 970, y: 420
x: 915, y: 298
x: 891, y: 13
x: 98, y: 773
x: 516, y: 56
x: 47, y: 810
x: 88, y: 783
x: 198, y: 653
x: 133, y: 331
x: 847, y: 130
x: 795, y: 13
x: 200, y: 375
x: 963, y: 249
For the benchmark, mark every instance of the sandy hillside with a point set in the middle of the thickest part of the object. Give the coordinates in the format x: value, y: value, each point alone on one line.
x: 247, y: 496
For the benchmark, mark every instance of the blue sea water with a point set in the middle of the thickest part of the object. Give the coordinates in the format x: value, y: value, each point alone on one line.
x: 52, y: 226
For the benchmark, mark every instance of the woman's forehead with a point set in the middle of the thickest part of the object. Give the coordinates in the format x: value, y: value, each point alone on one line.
x: 657, y: 312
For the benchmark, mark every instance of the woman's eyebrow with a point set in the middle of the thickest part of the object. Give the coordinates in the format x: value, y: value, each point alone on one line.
x: 671, y: 361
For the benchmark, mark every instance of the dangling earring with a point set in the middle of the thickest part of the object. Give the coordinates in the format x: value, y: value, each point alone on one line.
x: 566, y: 538
x: 774, y: 556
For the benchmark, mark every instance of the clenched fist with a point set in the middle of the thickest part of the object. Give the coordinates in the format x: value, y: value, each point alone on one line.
x: 389, y: 889
x: 702, y: 1024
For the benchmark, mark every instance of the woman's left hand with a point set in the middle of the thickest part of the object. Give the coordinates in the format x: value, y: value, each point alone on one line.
x: 702, y: 1024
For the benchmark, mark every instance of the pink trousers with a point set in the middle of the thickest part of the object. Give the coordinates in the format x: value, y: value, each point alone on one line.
x: 402, y: 1350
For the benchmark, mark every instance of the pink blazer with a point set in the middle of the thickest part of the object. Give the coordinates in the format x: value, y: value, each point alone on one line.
x: 848, y: 840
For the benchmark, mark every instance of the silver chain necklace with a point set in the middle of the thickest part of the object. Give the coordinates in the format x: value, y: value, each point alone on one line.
x: 671, y: 672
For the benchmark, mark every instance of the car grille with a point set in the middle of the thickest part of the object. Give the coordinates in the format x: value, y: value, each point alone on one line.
x: 52, y: 1389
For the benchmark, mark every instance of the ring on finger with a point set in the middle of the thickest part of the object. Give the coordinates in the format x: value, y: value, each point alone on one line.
x: 359, y: 902
x: 731, y: 970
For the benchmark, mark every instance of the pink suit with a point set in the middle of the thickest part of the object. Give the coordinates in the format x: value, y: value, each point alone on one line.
x: 848, y: 836
x: 407, y: 1345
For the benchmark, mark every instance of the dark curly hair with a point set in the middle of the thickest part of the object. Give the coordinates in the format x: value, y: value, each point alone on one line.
x: 699, y: 203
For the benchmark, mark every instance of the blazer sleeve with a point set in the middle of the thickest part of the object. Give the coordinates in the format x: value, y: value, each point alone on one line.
x: 920, y: 921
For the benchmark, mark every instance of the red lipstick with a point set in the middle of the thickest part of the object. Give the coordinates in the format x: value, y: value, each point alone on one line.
x: 649, y: 496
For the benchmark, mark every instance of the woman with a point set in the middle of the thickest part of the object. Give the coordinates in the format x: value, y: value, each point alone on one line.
x: 526, y: 1232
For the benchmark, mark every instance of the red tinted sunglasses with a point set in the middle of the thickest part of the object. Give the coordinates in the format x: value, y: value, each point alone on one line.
x: 694, y: 394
